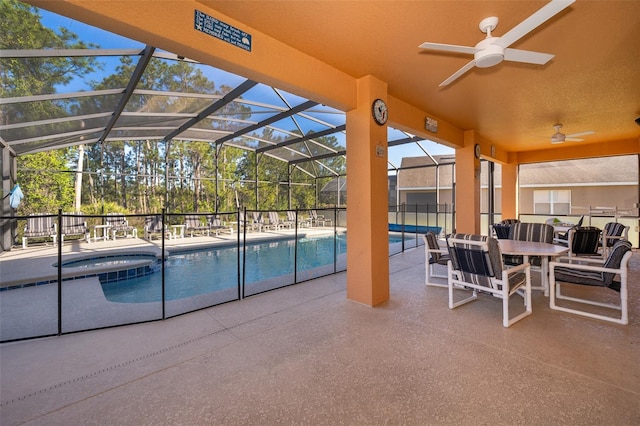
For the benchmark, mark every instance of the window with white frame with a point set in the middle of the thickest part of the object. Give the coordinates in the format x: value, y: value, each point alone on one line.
x: 552, y: 202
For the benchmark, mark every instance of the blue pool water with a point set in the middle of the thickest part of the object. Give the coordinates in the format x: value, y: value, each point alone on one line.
x: 204, y: 271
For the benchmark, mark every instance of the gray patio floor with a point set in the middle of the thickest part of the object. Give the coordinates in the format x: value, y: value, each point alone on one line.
x: 306, y: 355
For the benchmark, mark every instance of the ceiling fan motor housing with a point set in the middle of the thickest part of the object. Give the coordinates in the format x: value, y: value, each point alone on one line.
x: 488, y: 54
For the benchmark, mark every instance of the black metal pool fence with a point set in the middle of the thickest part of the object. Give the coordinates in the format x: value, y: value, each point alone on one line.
x: 44, y: 290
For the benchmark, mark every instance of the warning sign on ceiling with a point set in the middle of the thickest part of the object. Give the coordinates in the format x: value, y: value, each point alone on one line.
x: 221, y: 30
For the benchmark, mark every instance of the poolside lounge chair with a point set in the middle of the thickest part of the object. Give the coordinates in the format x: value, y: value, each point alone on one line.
x: 153, y: 226
x: 318, y: 220
x: 216, y: 225
x: 476, y: 266
x: 39, y: 225
x: 293, y: 217
x: 257, y: 222
x: 74, y: 224
x: 194, y: 225
x: 276, y: 223
x: 594, y: 273
x: 120, y: 225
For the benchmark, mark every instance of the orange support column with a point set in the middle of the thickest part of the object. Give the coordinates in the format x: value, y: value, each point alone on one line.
x: 367, y: 211
x: 509, y: 205
x: 468, y: 185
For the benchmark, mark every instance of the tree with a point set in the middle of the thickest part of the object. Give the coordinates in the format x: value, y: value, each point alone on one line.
x: 45, y: 192
x: 21, y: 28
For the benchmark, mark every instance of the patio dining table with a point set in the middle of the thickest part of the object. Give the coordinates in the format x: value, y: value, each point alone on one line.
x: 532, y: 248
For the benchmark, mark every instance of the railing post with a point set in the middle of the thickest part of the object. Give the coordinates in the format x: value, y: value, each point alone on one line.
x: 59, y: 232
x: 162, y: 260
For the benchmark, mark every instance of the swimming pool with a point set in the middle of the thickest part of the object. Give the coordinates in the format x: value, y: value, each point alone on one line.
x: 197, y: 272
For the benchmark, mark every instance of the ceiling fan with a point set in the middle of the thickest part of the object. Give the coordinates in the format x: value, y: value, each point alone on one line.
x: 558, y: 137
x: 493, y: 50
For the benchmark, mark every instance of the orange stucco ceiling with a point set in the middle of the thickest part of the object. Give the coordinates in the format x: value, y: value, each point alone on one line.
x: 591, y: 84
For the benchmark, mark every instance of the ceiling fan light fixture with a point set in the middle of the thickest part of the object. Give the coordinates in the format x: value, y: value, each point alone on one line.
x: 489, y: 56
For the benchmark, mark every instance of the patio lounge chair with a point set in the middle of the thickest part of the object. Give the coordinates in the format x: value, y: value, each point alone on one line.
x: 434, y: 255
x: 276, y: 223
x: 216, y: 225
x: 257, y: 222
x: 292, y: 220
x: 194, y: 225
x: 153, y: 226
x: 74, y: 224
x: 476, y: 266
x: 39, y: 225
x: 595, y: 273
x: 318, y: 220
x: 120, y: 225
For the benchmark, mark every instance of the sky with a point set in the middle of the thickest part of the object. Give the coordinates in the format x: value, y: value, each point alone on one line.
x: 107, y: 40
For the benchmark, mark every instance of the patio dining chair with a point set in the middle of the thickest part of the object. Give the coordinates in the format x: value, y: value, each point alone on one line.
x: 611, y: 233
x: 523, y: 231
x: 595, y: 273
x: 503, y: 229
x: 476, y: 265
x: 434, y: 255
x: 584, y: 241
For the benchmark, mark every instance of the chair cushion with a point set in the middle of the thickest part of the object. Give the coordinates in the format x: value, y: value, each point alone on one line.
x: 517, y: 280
x: 596, y: 278
x: 585, y: 240
x: 502, y: 230
x: 620, y: 248
x: 579, y: 276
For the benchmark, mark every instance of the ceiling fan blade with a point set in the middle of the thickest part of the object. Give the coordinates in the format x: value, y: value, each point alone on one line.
x: 545, y: 13
x: 527, y: 56
x: 448, y: 48
x: 458, y: 73
x: 576, y: 135
x: 568, y: 139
